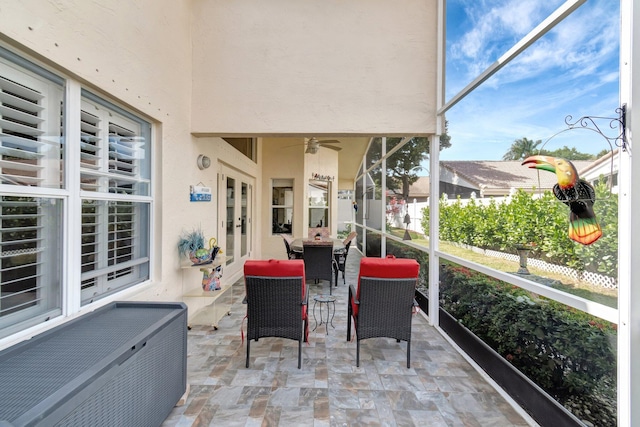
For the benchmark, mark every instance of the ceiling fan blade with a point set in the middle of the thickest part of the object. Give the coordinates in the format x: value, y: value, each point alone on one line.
x: 331, y: 147
x: 329, y: 141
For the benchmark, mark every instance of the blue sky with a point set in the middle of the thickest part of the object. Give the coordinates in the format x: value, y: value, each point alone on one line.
x: 572, y: 70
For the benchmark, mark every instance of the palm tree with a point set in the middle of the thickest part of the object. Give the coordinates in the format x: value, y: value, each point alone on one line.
x: 521, y: 149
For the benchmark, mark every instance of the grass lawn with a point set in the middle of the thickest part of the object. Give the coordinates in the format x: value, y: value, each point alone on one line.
x: 608, y: 297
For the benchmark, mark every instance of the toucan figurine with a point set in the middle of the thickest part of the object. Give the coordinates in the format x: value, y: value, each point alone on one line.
x: 574, y: 192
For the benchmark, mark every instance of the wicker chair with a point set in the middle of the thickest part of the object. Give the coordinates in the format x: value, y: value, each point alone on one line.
x: 318, y: 261
x: 341, y: 257
x: 287, y: 244
x: 276, y: 301
x: 383, y: 303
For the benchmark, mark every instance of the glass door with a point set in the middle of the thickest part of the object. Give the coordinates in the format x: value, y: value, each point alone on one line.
x: 236, y: 216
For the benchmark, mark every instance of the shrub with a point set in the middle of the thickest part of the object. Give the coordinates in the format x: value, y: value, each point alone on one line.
x: 566, y: 352
x: 523, y: 219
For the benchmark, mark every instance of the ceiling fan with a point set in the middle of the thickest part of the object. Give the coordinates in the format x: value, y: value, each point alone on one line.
x: 313, y: 145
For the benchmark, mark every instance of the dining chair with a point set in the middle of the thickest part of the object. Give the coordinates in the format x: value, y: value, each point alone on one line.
x: 287, y: 244
x: 276, y: 298
x: 319, y: 263
x: 383, y: 303
x: 341, y: 256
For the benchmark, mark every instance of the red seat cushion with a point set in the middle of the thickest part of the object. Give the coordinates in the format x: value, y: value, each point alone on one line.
x: 386, y: 268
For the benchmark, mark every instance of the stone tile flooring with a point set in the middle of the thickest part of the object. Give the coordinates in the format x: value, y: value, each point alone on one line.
x: 440, y: 389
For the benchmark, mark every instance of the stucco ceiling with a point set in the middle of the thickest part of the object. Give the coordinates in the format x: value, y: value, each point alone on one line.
x: 350, y: 157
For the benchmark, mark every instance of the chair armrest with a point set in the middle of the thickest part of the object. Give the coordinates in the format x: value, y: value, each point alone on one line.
x: 352, y: 294
x: 305, y: 300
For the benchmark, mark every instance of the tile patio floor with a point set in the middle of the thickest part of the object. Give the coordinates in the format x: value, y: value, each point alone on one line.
x: 440, y: 389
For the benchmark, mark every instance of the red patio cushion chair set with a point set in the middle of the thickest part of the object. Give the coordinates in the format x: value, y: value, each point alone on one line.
x: 381, y: 306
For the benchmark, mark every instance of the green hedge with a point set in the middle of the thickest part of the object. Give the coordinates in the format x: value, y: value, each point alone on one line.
x: 566, y: 352
x: 543, y: 221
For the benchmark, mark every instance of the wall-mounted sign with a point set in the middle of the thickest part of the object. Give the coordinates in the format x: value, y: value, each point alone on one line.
x: 319, y: 177
x: 199, y: 193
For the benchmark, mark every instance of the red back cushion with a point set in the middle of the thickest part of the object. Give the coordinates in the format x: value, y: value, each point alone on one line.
x: 274, y: 268
x: 278, y: 268
x: 387, y: 268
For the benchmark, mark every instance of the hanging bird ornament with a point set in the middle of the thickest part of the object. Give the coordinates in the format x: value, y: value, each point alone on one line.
x: 574, y: 192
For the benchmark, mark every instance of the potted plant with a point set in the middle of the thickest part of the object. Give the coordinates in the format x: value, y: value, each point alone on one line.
x: 191, y: 246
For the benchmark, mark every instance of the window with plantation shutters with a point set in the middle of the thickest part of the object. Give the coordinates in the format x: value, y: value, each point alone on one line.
x: 113, y: 152
x: 62, y: 160
x: 30, y: 225
x: 114, y: 161
x: 30, y: 132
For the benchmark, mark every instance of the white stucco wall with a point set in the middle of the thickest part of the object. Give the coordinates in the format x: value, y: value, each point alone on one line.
x: 200, y: 68
x: 282, y: 158
x: 312, y: 67
x: 453, y: 178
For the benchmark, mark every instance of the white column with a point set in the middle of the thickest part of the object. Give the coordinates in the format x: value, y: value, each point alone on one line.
x: 629, y: 227
x: 434, y: 233
x: 383, y: 197
x: 72, y: 295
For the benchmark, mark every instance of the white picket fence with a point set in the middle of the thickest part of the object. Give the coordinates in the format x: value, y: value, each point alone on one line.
x: 594, y: 279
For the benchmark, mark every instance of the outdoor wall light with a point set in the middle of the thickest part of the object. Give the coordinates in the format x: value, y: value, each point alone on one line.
x: 203, y: 162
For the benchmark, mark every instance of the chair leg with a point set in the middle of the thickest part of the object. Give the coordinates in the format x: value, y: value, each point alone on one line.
x: 248, y: 345
x: 408, y: 354
x: 349, y: 323
x: 305, y: 328
x: 357, y: 353
x: 299, y: 353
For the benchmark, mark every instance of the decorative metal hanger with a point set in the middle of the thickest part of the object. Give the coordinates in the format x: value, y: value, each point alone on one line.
x: 591, y: 123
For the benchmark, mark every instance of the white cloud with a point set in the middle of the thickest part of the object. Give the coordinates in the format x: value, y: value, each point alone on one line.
x: 582, y: 44
x: 573, y: 70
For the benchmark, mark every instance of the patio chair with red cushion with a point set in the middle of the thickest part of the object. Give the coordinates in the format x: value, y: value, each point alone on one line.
x: 383, y: 303
x: 276, y: 297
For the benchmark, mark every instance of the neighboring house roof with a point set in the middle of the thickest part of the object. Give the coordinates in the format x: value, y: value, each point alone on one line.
x: 605, y: 165
x: 496, y: 178
x: 420, y: 188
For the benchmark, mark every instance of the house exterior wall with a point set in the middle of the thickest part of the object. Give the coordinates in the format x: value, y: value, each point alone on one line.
x: 201, y: 69
x: 310, y: 68
x: 282, y: 158
x: 122, y: 49
x: 451, y: 183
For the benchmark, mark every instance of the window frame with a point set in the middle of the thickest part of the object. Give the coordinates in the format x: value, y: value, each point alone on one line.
x: 68, y: 294
x: 285, y: 183
x: 326, y: 208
